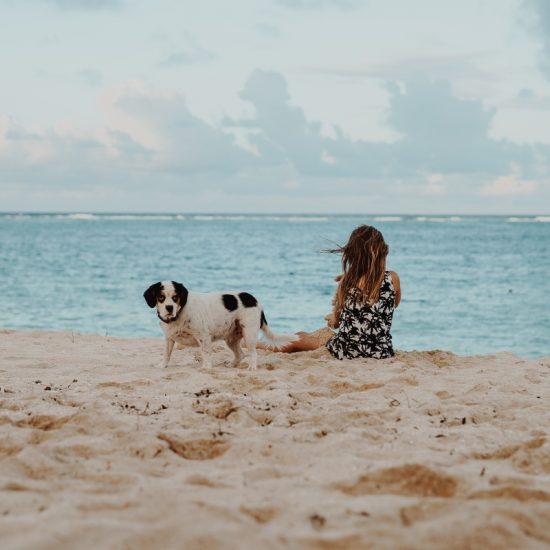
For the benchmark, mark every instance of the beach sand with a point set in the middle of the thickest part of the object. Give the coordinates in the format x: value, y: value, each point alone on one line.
x: 102, y: 448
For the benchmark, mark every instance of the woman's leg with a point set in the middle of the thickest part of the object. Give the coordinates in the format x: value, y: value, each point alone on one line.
x: 305, y: 342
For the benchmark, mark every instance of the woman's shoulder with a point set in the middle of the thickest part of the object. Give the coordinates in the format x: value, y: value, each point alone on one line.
x: 394, y: 279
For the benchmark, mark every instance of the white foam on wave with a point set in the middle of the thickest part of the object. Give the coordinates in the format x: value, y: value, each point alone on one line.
x: 438, y: 219
x: 524, y: 219
x: 307, y: 219
x: 229, y: 217
x: 138, y: 217
x: 77, y: 216
x: 388, y: 219
x: 17, y: 216
x: 80, y: 216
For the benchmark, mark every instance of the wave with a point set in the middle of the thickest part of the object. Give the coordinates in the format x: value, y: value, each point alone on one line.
x: 148, y: 217
x: 16, y: 216
x: 438, y: 219
x: 308, y: 219
x: 226, y: 217
x: 388, y: 219
x: 535, y: 219
x: 85, y: 216
x: 76, y: 216
x: 115, y: 217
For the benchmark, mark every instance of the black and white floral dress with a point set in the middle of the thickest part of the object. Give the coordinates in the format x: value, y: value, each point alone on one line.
x: 364, y: 329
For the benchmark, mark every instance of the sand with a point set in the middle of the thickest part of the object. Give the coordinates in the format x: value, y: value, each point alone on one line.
x: 102, y: 448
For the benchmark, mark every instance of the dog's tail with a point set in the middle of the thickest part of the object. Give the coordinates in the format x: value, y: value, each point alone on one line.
x: 276, y: 340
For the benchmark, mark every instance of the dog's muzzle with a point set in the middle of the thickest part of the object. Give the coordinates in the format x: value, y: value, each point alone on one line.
x: 172, y: 319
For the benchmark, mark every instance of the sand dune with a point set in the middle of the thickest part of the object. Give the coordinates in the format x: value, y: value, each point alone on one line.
x: 101, y: 448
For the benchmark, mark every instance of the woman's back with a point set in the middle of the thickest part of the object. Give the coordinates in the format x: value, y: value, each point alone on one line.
x: 364, y: 329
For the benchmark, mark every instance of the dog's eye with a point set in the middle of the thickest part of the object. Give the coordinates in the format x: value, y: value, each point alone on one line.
x: 162, y: 298
x: 175, y: 299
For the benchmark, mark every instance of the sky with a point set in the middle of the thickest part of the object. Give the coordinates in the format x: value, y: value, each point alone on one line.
x: 309, y: 106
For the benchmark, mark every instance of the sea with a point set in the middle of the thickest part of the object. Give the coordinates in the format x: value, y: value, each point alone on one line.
x: 471, y: 284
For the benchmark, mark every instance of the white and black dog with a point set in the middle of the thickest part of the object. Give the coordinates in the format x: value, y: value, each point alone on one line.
x: 202, y: 318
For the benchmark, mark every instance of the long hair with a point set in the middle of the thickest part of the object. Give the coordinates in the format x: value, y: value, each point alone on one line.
x: 363, y: 264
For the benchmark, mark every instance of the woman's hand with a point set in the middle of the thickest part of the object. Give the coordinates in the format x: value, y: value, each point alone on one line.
x: 331, y: 320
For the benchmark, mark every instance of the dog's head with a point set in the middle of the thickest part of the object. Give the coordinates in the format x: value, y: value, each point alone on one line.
x: 168, y: 297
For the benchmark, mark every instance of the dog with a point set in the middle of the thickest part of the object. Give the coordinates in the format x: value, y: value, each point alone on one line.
x: 202, y: 318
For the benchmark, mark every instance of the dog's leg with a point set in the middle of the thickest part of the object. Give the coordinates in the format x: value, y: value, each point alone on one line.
x: 250, y: 339
x: 168, y: 351
x: 233, y: 342
x: 235, y: 346
x: 206, y: 349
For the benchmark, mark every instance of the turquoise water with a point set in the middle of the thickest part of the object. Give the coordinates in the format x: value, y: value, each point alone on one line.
x: 470, y: 284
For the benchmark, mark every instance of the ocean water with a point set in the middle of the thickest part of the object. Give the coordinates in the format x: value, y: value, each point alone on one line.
x: 470, y: 284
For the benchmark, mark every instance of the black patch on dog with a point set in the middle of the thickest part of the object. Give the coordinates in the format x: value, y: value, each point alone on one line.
x: 263, y: 320
x: 182, y: 293
x: 248, y: 300
x: 152, y: 293
x: 230, y: 302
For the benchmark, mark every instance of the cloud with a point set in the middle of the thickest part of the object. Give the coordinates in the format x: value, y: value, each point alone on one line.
x: 76, y: 5
x: 147, y: 135
x: 435, y: 185
x: 434, y: 66
x: 54, y: 158
x: 182, y: 49
x: 87, y: 5
x: 317, y: 4
x: 186, y: 57
x: 439, y: 133
x: 91, y: 77
x: 267, y: 30
x: 151, y: 145
x: 510, y: 185
x: 529, y: 99
x: 541, y: 10
x: 179, y: 142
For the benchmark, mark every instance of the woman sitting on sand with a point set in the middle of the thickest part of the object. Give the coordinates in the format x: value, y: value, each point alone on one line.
x: 365, y: 299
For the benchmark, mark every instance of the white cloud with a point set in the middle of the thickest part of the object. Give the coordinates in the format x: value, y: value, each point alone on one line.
x: 529, y: 99
x: 541, y: 10
x: 327, y: 158
x: 318, y: 4
x: 435, y: 185
x: 151, y: 144
x: 510, y: 185
x: 404, y: 67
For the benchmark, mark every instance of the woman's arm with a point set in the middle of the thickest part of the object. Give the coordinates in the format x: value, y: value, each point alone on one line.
x: 396, y: 286
x: 330, y: 318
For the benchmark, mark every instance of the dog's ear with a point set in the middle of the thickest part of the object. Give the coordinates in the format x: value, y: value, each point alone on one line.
x: 182, y: 292
x: 152, y: 293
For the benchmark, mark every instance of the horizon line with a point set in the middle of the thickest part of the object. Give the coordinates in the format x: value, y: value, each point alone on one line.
x: 205, y: 213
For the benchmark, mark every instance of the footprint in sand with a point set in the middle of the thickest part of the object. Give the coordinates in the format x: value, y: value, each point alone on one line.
x: 219, y: 409
x: 260, y: 515
x: 43, y: 422
x: 339, y: 388
x: 195, y: 449
x: 512, y: 493
x: 203, y: 481
x: 406, y: 480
